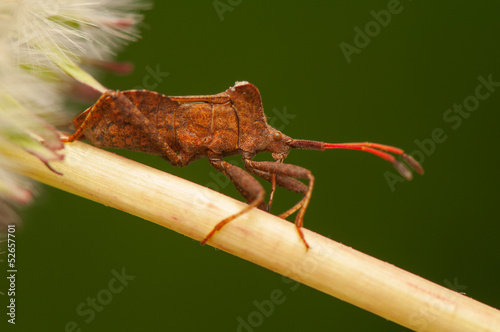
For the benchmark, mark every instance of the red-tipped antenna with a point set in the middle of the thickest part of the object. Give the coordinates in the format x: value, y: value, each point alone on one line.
x: 373, y: 148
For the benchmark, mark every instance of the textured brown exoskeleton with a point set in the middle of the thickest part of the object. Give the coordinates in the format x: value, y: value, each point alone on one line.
x: 183, y: 129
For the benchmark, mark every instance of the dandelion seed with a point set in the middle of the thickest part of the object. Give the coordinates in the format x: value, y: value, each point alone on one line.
x: 43, y: 44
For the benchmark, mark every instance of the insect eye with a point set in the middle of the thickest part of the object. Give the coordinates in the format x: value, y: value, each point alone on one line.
x: 277, y: 136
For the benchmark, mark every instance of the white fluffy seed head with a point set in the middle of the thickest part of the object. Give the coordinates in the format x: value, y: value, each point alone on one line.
x: 42, y: 44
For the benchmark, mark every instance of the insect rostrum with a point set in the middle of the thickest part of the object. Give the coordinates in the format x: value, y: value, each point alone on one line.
x: 183, y: 129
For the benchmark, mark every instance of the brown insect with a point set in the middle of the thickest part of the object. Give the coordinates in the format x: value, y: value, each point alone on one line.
x: 183, y: 129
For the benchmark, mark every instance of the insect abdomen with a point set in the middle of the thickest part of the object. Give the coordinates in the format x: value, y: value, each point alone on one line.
x: 188, y: 128
x: 111, y: 126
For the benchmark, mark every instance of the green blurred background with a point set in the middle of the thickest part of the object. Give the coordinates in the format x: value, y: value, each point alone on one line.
x: 395, y: 90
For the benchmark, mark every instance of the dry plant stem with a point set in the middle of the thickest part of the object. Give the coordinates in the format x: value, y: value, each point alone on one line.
x: 259, y: 237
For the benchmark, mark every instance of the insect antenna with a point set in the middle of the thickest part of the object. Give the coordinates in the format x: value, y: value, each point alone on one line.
x: 373, y: 148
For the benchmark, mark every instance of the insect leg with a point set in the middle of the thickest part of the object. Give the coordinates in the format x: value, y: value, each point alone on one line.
x: 246, y: 184
x: 273, y: 190
x: 269, y: 177
x: 285, y: 174
x: 283, y: 181
x: 78, y: 133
